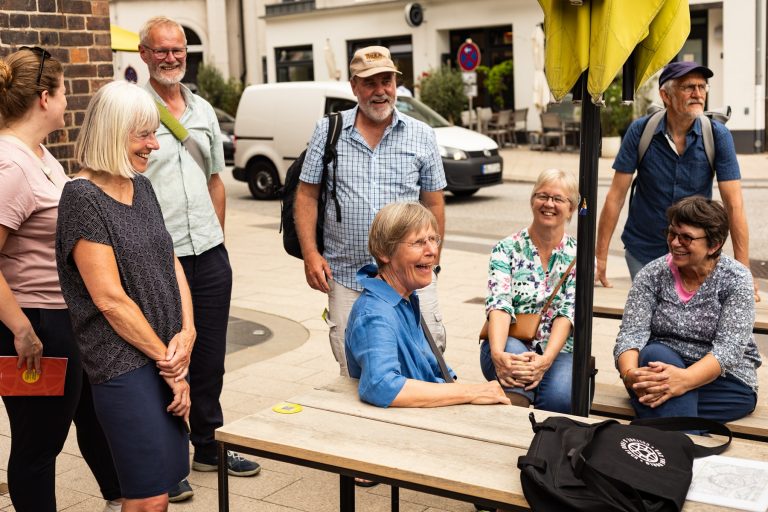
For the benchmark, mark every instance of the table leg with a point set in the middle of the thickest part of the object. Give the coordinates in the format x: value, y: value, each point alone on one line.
x: 395, y: 497
x: 223, y: 479
x: 347, y: 494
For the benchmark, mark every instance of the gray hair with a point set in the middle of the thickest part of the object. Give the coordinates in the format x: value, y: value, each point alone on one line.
x: 116, y: 111
x: 157, y: 21
x: 393, y: 223
x: 566, y: 179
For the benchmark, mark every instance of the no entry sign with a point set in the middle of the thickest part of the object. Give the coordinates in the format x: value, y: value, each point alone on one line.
x: 469, y: 56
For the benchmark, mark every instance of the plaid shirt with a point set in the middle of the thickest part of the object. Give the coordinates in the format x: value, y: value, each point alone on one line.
x: 405, y: 162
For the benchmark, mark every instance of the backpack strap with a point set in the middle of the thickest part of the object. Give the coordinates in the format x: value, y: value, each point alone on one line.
x: 650, y: 128
x: 182, y: 135
x: 330, y: 156
x: 709, y: 141
x: 691, y: 423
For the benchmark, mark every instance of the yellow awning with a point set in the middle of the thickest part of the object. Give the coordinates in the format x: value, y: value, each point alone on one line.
x: 668, y: 32
x: 567, y: 44
x: 601, y: 35
x: 124, y: 40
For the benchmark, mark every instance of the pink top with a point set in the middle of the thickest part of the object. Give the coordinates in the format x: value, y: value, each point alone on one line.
x: 684, y: 294
x: 28, y: 208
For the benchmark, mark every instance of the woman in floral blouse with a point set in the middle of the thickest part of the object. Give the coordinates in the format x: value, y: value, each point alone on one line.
x: 523, y: 271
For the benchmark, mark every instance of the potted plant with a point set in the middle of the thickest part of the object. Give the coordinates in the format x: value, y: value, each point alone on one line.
x: 615, y: 117
x: 443, y: 90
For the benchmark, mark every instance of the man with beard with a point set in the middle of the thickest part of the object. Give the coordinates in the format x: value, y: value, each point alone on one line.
x: 383, y: 157
x: 193, y: 204
x: 675, y: 166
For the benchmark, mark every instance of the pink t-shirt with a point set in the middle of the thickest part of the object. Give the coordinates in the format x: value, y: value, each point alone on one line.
x: 29, y: 203
x: 684, y: 294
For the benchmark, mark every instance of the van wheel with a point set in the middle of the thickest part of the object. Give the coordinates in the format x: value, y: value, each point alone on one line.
x: 464, y: 193
x: 262, y: 180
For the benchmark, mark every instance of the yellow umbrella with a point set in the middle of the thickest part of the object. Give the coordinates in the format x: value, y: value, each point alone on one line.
x: 124, y: 40
x: 668, y: 32
x: 567, y: 51
x: 617, y: 26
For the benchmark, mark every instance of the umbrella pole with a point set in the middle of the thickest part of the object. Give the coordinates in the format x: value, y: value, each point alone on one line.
x: 585, y: 264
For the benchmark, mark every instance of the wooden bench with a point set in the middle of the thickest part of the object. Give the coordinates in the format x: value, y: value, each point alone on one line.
x: 612, y: 400
x: 609, y: 303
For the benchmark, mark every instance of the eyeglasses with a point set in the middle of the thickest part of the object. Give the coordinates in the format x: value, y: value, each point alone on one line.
x: 685, y: 240
x: 434, y: 240
x: 689, y: 88
x: 542, y: 197
x: 162, y: 53
x: 43, y: 55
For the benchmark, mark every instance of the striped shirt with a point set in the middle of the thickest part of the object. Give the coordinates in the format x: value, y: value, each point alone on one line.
x: 405, y: 162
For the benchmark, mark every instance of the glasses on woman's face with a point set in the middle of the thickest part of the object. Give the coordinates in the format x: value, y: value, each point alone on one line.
x: 421, y: 243
x: 44, y: 54
x: 543, y: 198
x: 682, y: 238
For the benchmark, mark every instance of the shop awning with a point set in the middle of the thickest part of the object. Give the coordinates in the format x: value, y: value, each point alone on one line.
x: 124, y: 40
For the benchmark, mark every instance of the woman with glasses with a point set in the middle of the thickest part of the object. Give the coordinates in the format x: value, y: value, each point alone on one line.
x: 685, y: 346
x: 525, y: 270
x: 386, y: 346
x: 129, y: 300
x: 34, y: 320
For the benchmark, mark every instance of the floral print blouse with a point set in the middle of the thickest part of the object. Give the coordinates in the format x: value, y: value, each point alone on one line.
x: 517, y: 282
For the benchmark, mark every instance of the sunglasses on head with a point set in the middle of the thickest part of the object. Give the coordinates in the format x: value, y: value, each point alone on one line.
x: 43, y: 53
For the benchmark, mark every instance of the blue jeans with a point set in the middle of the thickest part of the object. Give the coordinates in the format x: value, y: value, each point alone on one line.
x: 553, y: 392
x: 724, y: 399
x: 633, y: 264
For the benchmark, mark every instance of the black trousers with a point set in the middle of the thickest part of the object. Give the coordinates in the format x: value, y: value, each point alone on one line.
x: 40, y: 424
x: 210, y: 280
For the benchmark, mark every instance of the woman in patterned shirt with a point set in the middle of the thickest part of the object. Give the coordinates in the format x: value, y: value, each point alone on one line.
x: 524, y: 269
x: 685, y: 346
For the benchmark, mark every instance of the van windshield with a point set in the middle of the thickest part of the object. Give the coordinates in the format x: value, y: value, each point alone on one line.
x: 420, y: 111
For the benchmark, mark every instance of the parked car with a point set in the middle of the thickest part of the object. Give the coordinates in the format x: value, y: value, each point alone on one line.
x: 227, y: 127
x: 274, y: 123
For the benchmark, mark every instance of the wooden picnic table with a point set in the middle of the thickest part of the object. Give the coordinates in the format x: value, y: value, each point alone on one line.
x: 465, y: 452
x: 609, y: 303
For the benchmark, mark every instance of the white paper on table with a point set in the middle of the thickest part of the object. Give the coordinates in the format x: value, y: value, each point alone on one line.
x: 730, y: 482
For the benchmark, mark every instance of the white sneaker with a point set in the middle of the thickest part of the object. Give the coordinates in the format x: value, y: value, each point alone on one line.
x: 113, y: 506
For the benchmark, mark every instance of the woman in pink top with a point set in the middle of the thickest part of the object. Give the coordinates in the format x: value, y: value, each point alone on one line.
x: 34, y: 321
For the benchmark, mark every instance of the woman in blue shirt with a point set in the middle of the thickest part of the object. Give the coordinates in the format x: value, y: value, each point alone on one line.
x: 385, y: 345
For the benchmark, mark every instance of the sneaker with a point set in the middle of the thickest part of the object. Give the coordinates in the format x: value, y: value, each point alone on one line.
x: 180, y: 492
x: 236, y: 465
x: 113, y: 506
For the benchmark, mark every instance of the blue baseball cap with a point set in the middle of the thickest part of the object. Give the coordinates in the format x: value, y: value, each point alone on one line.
x: 678, y: 69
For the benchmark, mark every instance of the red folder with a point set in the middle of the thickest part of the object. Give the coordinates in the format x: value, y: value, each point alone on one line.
x: 22, y: 382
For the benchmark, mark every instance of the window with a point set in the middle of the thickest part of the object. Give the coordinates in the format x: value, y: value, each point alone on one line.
x: 294, y: 64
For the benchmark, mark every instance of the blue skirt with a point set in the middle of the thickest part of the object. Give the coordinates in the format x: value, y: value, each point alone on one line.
x: 150, y: 446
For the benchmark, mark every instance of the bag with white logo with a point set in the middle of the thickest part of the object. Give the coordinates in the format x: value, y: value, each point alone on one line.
x: 608, y: 466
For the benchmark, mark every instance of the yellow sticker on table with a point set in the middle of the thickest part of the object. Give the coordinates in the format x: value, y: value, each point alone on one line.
x: 287, y: 408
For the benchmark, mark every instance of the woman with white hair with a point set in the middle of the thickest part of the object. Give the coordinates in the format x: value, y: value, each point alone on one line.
x: 525, y: 270
x: 128, y: 298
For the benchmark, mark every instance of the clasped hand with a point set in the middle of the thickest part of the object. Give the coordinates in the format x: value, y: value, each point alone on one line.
x: 656, y: 383
x: 177, y: 356
x: 521, y: 370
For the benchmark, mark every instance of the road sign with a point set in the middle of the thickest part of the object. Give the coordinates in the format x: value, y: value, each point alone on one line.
x: 470, y: 83
x: 469, y: 56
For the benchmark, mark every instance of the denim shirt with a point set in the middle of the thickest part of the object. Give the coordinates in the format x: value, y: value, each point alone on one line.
x: 385, y: 345
x: 664, y: 177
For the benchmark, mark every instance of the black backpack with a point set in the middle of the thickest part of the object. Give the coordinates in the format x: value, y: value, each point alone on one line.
x: 611, y: 467
x: 288, y: 192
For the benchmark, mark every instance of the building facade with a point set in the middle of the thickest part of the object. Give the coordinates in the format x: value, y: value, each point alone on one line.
x: 271, y: 40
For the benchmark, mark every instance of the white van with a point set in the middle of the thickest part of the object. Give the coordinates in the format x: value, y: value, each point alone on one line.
x: 274, y: 123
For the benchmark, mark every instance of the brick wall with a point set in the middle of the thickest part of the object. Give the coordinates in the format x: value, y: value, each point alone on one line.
x: 76, y: 32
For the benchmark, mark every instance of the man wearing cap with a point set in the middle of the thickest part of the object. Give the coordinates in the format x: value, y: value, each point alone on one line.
x: 675, y: 166
x: 383, y: 157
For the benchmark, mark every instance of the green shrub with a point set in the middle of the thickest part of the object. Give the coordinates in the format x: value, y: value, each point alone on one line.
x: 443, y: 90
x: 497, y: 80
x: 615, y: 116
x: 224, y: 94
